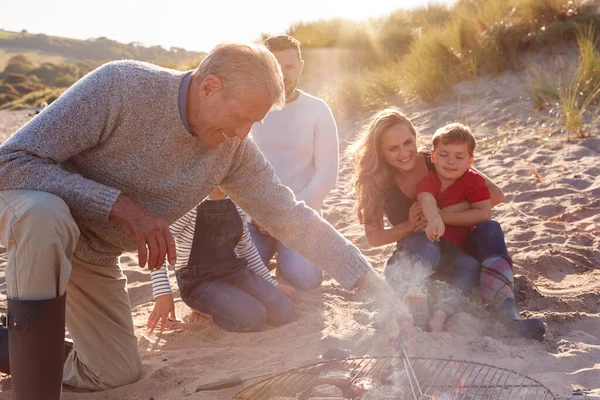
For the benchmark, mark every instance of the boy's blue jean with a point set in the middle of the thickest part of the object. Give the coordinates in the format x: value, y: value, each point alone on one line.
x: 443, y: 257
x: 243, y: 302
x: 487, y: 240
x: 297, y: 270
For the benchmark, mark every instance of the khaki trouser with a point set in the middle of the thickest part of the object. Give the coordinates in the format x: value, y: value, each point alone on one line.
x: 40, y: 236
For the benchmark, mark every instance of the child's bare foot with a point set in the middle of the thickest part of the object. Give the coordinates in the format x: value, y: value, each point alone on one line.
x: 416, y: 301
x: 437, y: 321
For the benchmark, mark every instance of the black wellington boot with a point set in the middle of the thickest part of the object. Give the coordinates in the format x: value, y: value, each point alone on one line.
x: 36, y: 342
x: 4, y: 359
x: 531, y: 328
x: 4, y: 365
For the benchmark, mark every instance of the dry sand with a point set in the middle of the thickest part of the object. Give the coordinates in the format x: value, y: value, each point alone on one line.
x: 552, y: 224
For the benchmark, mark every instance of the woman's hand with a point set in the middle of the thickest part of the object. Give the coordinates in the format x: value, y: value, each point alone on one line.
x: 416, y: 218
x: 435, y: 229
x: 163, y: 308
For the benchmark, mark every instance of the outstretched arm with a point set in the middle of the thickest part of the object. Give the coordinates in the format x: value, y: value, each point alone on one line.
x: 253, y: 185
x: 435, y: 226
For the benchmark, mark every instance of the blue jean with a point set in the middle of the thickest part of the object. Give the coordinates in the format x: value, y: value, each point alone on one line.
x: 297, y: 270
x: 486, y: 243
x: 487, y: 240
x: 443, y: 258
x: 244, y: 302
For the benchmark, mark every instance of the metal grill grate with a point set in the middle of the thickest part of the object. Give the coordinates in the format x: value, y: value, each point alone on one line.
x: 400, y: 378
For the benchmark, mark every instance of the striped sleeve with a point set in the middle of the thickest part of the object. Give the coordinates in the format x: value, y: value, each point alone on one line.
x: 160, y: 282
x: 183, y: 233
x: 246, y: 250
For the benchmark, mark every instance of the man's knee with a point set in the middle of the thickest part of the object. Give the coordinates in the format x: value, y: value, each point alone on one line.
x: 43, y: 214
x: 126, y: 369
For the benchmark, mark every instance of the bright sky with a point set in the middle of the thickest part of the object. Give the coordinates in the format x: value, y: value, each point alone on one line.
x: 191, y: 24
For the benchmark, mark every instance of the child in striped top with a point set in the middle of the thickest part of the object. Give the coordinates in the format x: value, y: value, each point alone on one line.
x: 219, y: 272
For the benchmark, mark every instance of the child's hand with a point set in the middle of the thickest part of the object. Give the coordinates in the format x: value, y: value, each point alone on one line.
x: 288, y: 290
x: 435, y: 229
x: 163, y: 308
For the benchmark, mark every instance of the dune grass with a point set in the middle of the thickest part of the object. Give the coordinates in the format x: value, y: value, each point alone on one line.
x: 569, y: 93
x: 34, y: 99
x: 446, y: 46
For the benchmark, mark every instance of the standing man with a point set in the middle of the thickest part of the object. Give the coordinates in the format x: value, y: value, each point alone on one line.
x: 301, y: 143
x: 122, y: 154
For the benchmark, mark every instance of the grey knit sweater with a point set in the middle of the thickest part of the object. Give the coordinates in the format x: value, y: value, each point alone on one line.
x: 118, y: 130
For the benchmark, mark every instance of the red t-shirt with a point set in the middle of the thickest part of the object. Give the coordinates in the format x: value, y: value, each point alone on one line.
x: 470, y: 187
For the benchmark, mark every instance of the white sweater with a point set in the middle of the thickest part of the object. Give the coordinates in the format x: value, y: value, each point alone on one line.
x: 301, y: 143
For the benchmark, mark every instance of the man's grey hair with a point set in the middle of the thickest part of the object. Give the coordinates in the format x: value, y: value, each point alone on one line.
x: 243, y: 67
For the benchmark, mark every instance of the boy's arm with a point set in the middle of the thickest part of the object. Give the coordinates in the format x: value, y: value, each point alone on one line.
x: 426, y: 190
x: 435, y: 226
x: 428, y: 205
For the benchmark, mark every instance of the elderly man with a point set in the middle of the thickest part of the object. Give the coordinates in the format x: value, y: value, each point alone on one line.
x: 105, y: 169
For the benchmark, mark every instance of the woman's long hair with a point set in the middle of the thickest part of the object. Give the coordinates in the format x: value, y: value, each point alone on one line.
x: 373, y: 176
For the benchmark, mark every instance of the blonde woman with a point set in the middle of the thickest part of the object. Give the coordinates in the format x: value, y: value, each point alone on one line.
x: 388, y: 167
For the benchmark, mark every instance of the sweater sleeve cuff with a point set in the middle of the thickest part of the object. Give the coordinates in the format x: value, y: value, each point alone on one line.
x: 99, y: 202
x: 352, y: 271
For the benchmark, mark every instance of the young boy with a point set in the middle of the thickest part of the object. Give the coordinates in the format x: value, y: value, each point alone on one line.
x: 220, y: 273
x: 453, y: 182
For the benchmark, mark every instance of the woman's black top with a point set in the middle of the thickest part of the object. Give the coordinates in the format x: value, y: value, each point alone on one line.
x: 397, y: 203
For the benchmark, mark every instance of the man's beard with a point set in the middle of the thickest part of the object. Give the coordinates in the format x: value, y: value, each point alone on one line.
x: 289, y: 89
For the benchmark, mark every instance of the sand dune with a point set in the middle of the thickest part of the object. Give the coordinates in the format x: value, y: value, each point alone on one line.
x: 551, y: 218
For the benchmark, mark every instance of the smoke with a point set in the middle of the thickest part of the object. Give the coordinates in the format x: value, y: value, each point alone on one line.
x: 407, y: 272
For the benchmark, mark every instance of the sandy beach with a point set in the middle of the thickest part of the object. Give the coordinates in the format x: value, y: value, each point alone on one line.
x: 551, y: 219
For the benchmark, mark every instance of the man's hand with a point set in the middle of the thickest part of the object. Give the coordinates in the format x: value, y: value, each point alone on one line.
x: 435, y: 229
x: 395, y: 318
x: 260, y: 228
x: 163, y: 308
x: 150, y: 232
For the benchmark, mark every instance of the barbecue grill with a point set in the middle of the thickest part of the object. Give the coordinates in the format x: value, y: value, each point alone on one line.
x: 405, y: 378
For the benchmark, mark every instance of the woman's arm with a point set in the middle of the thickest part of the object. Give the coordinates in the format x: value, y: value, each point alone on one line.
x: 479, y: 212
x: 378, y: 235
x: 497, y: 195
